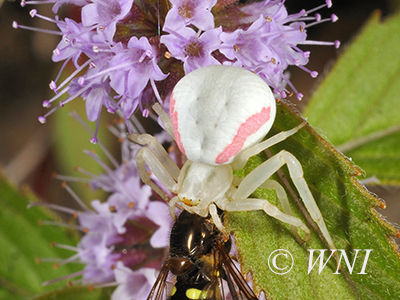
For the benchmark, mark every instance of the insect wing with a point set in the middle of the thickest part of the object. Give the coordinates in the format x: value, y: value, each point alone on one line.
x: 160, y: 290
x: 227, y: 283
x: 238, y: 286
x: 214, y: 290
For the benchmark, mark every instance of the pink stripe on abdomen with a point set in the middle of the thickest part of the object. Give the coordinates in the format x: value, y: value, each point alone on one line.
x: 246, y: 129
x: 174, y: 121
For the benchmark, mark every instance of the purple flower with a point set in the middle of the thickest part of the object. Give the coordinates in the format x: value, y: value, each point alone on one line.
x: 95, y: 249
x: 190, y: 12
x: 157, y: 212
x: 133, y: 68
x: 74, y: 37
x: 105, y: 15
x: 261, y: 37
x: 129, y: 231
x: 124, y: 184
x: 193, y: 50
x: 78, y: 41
x: 133, y: 284
x: 108, y: 241
x: 248, y: 46
x: 269, y: 45
x: 141, y: 50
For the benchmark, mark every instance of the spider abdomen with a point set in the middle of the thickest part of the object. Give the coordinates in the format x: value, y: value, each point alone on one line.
x: 219, y: 111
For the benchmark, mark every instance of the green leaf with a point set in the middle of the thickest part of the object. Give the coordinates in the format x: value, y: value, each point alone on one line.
x: 356, y: 106
x: 347, y: 209
x: 22, y: 240
x: 77, y: 293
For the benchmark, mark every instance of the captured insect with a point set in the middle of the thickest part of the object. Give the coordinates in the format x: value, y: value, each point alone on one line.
x: 219, y: 116
x: 198, y: 257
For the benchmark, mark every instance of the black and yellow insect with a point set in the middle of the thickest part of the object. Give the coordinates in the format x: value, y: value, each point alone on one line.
x: 200, y: 265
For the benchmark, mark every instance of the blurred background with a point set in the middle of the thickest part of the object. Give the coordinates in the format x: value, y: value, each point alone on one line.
x: 30, y: 152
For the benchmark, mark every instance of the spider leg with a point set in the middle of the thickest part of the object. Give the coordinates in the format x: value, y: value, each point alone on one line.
x: 217, y: 221
x: 264, y: 171
x: 165, y: 119
x: 158, y: 150
x: 283, y: 199
x: 172, y: 204
x: 159, y: 162
x: 249, y: 204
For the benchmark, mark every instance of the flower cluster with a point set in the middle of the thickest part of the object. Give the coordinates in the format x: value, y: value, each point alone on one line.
x: 125, y: 238
x: 128, y: 54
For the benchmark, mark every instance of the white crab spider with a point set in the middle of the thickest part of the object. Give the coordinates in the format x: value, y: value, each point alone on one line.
x: 219, y: 115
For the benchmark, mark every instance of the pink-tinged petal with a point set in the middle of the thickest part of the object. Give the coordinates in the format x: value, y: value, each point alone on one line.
x: 211, y: 38
x: 204, y: 20
x: 137, y: 83
x: 108, y: 32
x: 118, y: 81
x: 89, y: 14
x: 128, y: 105
x: 159, y: 213
x: 133, y: 284
x: 185, y: 13
x: 193, y: 63
x: 157, y: 74
x: 174, y: 21
x: 177, y: 41
x: 94, y: 103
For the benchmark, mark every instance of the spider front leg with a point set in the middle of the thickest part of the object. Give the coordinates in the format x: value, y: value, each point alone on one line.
x: 164, y: 119
x: 264, y: 171
x: 159, y: 162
